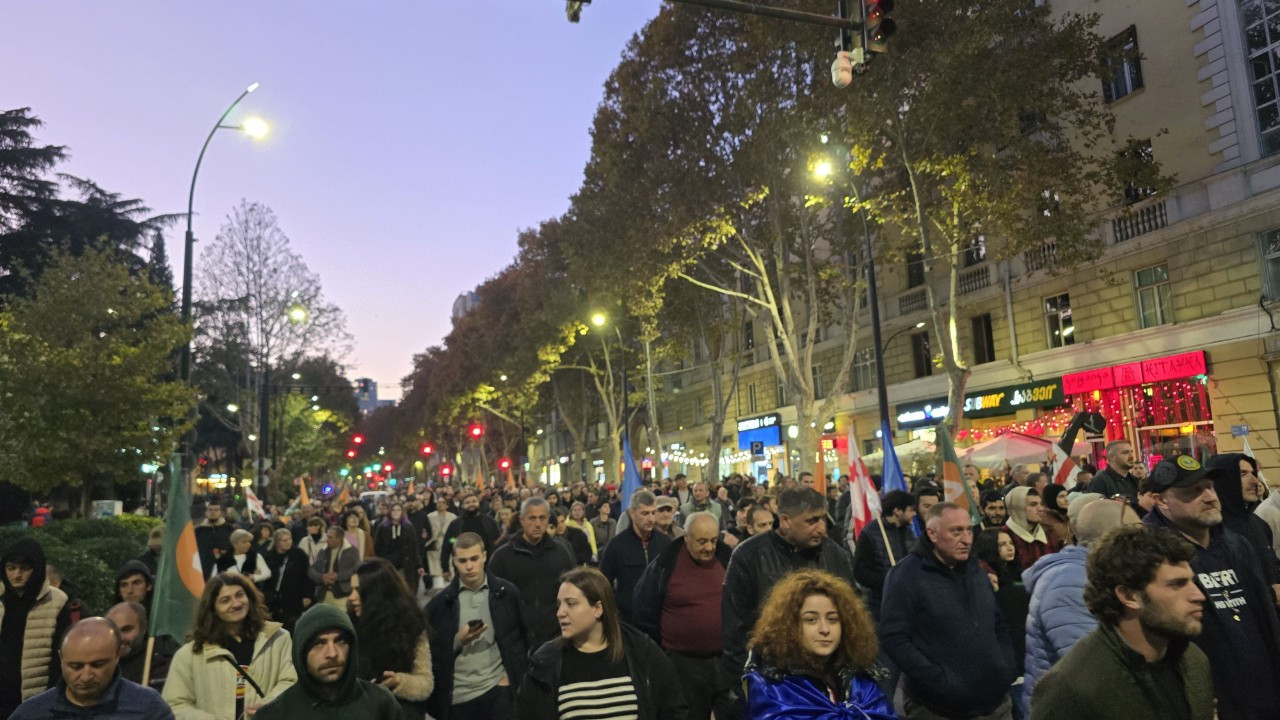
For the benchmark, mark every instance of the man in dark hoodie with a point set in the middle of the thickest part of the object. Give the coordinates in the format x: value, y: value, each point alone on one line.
x: 1235, y: 479
x: 134, y: 583
x: 1241, y: 633
x: 471, y: 520
x: 324, y: 649
x: 941, y: 626
x: 33, y: 619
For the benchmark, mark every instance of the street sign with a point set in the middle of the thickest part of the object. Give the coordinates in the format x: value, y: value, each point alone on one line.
x: 757, y: 448
x: 1239, y: 430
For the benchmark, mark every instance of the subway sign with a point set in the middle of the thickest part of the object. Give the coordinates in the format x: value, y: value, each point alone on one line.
x: 1010, y: 399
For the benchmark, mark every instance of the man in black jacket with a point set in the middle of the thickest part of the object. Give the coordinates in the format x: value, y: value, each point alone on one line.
x: 533, y: 561
x: 941, y: 626
x: 873, y: 558
x: 477, y: 667
x: 625, y: 557
x: 800, y: 541
x: 471, y: 520
x: 1115, y: 479
x: 678, y: 604
x: 1241, y: 634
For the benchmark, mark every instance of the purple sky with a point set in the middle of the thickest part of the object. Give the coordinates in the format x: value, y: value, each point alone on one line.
x: 411, y: 140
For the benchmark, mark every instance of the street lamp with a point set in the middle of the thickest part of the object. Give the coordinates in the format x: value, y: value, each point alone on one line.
x: 599, y: 319
x: 254, y: 128
x: 917, y: 326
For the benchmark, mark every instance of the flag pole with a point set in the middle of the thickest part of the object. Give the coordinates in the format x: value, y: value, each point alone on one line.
x: 885, y: 534
x: 146, y: 663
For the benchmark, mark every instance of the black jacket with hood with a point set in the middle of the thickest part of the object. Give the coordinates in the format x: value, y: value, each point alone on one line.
x: 15, y: 612
x: 651, y: 591
x: 658, y: 694
x: 352, y: 698
x: 1237, y: 515
x: 943, y: 628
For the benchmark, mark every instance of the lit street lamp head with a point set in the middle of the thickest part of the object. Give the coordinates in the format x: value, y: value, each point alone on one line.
x: 297, y: 314
x: 599, y: 319
x: 251, y: 88
x: 822, y: 169
x: 255, y: 127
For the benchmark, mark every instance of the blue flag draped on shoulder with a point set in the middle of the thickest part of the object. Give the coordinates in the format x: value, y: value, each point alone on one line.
x: 891, y: 477
x: 630, y: 474
x: 179, y: 579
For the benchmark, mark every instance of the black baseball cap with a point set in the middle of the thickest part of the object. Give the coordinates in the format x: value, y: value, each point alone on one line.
x: 1182, y: 471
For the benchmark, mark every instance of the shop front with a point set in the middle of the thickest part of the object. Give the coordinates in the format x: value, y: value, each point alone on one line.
x: 761, y: 437
x: 1161, y: 405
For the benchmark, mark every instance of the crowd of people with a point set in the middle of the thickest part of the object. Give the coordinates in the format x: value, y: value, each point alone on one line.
x: 1133, y: 594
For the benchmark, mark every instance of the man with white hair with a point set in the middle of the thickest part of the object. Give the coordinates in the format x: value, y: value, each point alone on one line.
x: 677, y: 602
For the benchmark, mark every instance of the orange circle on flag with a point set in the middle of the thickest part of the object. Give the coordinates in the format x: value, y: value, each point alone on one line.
x: 189, y: 570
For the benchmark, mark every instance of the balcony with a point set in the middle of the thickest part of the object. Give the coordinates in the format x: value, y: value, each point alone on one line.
x: 1045, y: 258
x: 973, y: 279
x: 912, y: 301
x: 1139, y: 221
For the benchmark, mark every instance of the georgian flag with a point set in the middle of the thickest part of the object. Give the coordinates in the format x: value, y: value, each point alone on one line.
x: 864, y: 501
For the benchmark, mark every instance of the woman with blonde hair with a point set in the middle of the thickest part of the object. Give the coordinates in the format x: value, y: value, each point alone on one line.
x: 578, y: 519
x: 810, y: 654
x: 236, y: 659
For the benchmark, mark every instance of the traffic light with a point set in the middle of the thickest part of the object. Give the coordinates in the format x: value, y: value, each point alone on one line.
x: 351, y: 453
x: 357, y: 439
x: 428, y: 449
x: 446, y: 470
x: 392, y: 482
x: 476, y: 431
x: 504, y: 464
x: 877, y: 26
x: 344, y: 472
x: 387, y: 467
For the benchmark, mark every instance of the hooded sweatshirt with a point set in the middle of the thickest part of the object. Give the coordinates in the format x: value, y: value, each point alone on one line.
x: 1031, y: 545
x: 350, y: 698
x: 1236, y: 514
x: 31, y: 627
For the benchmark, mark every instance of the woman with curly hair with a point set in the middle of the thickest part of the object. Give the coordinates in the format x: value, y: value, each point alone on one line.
x: 393, y: 647
x: 810, y: 654
x: 236, y: 660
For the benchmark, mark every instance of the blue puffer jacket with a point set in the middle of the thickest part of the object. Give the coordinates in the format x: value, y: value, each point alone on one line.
x: 1058, y: 616
x: 775, y: 694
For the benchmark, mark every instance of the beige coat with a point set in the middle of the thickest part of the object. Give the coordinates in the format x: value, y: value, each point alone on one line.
x: 202, y: 686
x: 37, y: 639
x: 416, y: 685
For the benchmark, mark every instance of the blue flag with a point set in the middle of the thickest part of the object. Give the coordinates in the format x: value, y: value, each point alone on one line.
x: 891, y: 478
x: 630, y: 474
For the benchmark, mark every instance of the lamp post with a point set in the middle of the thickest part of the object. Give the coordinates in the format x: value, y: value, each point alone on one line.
x: 894, y: 336
x: 599, y: 319
x: 254, y: 128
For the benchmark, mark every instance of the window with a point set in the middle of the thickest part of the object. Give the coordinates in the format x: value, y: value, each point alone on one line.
x: 1269, y: 246
x: 922, y: 354
x: 864, y: 369
x: 817, y: 382
x: 1152, y: 285
x: 699, y: 414
x: 1059, y: 328
x: 781, y: 397
x: 751, y: 397
x: 1138, y: 168
x: 1262, y: 42
x: 915, y: 269
x: 1121, y: 66
x: 984, y: 343
x: 976, y: 252
x: 748, y: 336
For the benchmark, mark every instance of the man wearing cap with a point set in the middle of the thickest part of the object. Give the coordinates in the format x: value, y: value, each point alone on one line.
x: 667, y: 521
x: 324, y: 654
x: 1241, y: 633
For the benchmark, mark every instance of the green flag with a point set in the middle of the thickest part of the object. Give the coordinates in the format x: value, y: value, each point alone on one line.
x: 954, y: 486
x: 179, y: 580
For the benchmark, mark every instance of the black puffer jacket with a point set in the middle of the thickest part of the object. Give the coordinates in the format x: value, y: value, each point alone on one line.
x: 943, y: 628
x: 651, y: 591
x: 536, y: 570
x: 508, y: 629
x: 756, y: 565
x: 657, y: 686
x: 1237, y: 516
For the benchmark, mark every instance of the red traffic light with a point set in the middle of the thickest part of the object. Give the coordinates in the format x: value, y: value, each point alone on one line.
x: 387, y: 467
x: 357, y: 439
x: 446, y: 470
x: 351, y: 453
x: 427, y: 449
x: 476, y: 431
x: 504, y: 464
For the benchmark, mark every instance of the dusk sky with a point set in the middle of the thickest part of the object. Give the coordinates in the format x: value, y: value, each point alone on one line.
x: 411, y: 139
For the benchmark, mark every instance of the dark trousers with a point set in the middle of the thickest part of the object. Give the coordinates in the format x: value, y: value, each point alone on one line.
x: 493, y: 705
x: 705, y: 686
